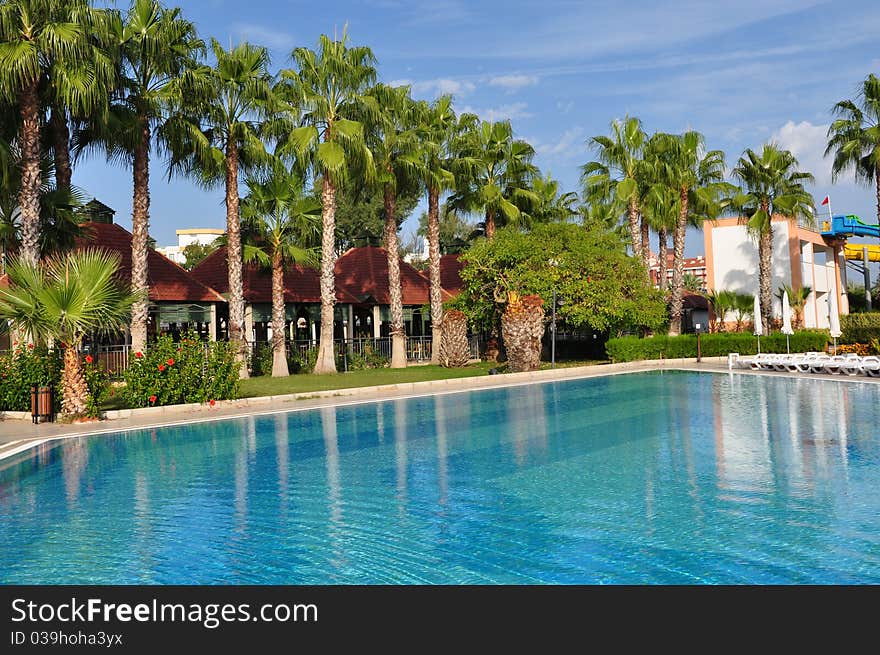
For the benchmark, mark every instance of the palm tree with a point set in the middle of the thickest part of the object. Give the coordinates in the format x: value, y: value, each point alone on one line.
x: 217, y: 135
x: 743, y: 307
x: 278, y: 221
x: 67, y: 297
x: 433, y: 163
x: 617, y: 171
x: 698, y: 178
x: 498, y: 173
x: 392, y: 139
x: 854, y: 137
x: 36, y: 37
x: 797, y: 299
x: 660, y: 207
x: 329, y: 87
x: 772, y: 185
x: 721, y: 302
x: 551, y: 206
x: 155, y: 46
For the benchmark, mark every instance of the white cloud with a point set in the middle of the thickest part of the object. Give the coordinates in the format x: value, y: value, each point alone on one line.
x: 513, y: 83
x: 441, y: 86
x: 571, y: 142
x: 807, y: 142
x: 264, y: 36
x: 510, y: 111
x: 564, y: 106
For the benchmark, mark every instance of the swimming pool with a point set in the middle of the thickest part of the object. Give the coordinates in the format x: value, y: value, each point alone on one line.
x: 672, y: 477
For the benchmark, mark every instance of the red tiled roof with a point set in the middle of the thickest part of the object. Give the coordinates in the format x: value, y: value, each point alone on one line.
x: 450, y: 273
x: 364, y: 273
x: 168, y: 281
x: 301, y: 284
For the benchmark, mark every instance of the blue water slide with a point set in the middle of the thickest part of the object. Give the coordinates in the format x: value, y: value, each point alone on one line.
x: 848, y: 225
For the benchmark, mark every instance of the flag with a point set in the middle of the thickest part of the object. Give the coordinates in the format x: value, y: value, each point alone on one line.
x: 826, y: 201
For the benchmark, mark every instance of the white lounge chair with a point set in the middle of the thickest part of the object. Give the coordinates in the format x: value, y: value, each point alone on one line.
x: 871, y: 366
x: 806, y: 361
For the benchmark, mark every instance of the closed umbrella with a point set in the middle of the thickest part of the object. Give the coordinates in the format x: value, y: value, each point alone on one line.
x: 786, y: 320
x: 833, y: 317
x: 759, y: 328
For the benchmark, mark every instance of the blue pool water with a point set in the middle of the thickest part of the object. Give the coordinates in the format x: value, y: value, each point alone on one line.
x: 641, y: 478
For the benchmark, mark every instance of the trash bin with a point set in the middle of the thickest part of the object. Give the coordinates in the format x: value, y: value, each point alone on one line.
x: 41, y: 404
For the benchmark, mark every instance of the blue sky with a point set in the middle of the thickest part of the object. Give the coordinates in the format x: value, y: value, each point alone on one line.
x: 742, y: 73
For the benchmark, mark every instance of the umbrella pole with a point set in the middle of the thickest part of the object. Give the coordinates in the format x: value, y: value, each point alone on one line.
x: 787, y: 346
x: 759, y: 345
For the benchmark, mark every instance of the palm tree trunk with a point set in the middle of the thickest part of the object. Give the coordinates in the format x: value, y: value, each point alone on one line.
x: 61, y: 147
x: 765, y: 279
x: 675, y: 303
x: 646, y: 245
x: 29, y: 196
x: 326, y: 362
x: 75, y: 392
x: 662, y: 239
x: 634, y: 229
x: 279, y: 352
x: 398, y: 334
x: 490, y: 224
x: 140, y: 234
x: 434, y: 269
x: 233, y: 257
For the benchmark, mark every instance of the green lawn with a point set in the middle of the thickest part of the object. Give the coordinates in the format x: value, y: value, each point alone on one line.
x: 269, y: 386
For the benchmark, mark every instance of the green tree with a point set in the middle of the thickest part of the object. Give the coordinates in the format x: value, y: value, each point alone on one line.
x: 194, y: 253
x: 454, y: 231
x: 155, y: 46
x: 278, y: 217
x: 772, y: 184
x: 226, y: 106
x: 497, y: 175
x: 392, y: 138
x: 721, y: 302
x: 330, y: 88
x: 854, y: 137
x: 550, y: 204
x: 36, y: 37
x: 360, y: 214
x: 797, y: 299
x: 598, y: 284
x: 743, y: 307
x: 697, y: 176
x: 617, y: 171
x: 438, y: 130
x: 67, y: 297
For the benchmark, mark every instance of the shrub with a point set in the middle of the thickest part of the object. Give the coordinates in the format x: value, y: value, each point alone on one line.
x: 860, y: 349
x: 98, y: 382
x: 189, y: 371
x: 629, y: 349
x: 25, y: 367
x: 361, y: 361
x: 261, y: 359
x: 860, y: 328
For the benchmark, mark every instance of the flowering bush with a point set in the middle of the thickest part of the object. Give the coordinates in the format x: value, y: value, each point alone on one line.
x: 27, y: 366
x: 98, y: 382
x: 188, y: 371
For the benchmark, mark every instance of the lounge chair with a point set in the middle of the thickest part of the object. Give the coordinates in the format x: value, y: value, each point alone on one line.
x: 871, y: 366
x: 806, y: 361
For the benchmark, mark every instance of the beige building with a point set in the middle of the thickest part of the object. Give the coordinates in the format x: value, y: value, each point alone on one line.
x: 801, y: 256
x: 203, y: 236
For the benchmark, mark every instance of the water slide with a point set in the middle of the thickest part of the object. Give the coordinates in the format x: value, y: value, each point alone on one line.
x: 856, y: 251
x: 845, y: 226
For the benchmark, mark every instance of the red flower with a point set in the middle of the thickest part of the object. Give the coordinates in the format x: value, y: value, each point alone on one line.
x: 152, y: 399
x: 138, y: 354
x: 89, y: 359
x: 161, y: 367
x: 212, y: 403
x: 171, y: 361
x: 15, y: 343
x: 30, y: 346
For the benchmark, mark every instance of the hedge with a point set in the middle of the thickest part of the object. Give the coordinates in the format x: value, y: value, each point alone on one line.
x: 860, y: 328
x: 630, y: 349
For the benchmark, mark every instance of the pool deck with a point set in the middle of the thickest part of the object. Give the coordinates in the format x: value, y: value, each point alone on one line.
x: 17, y: 434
